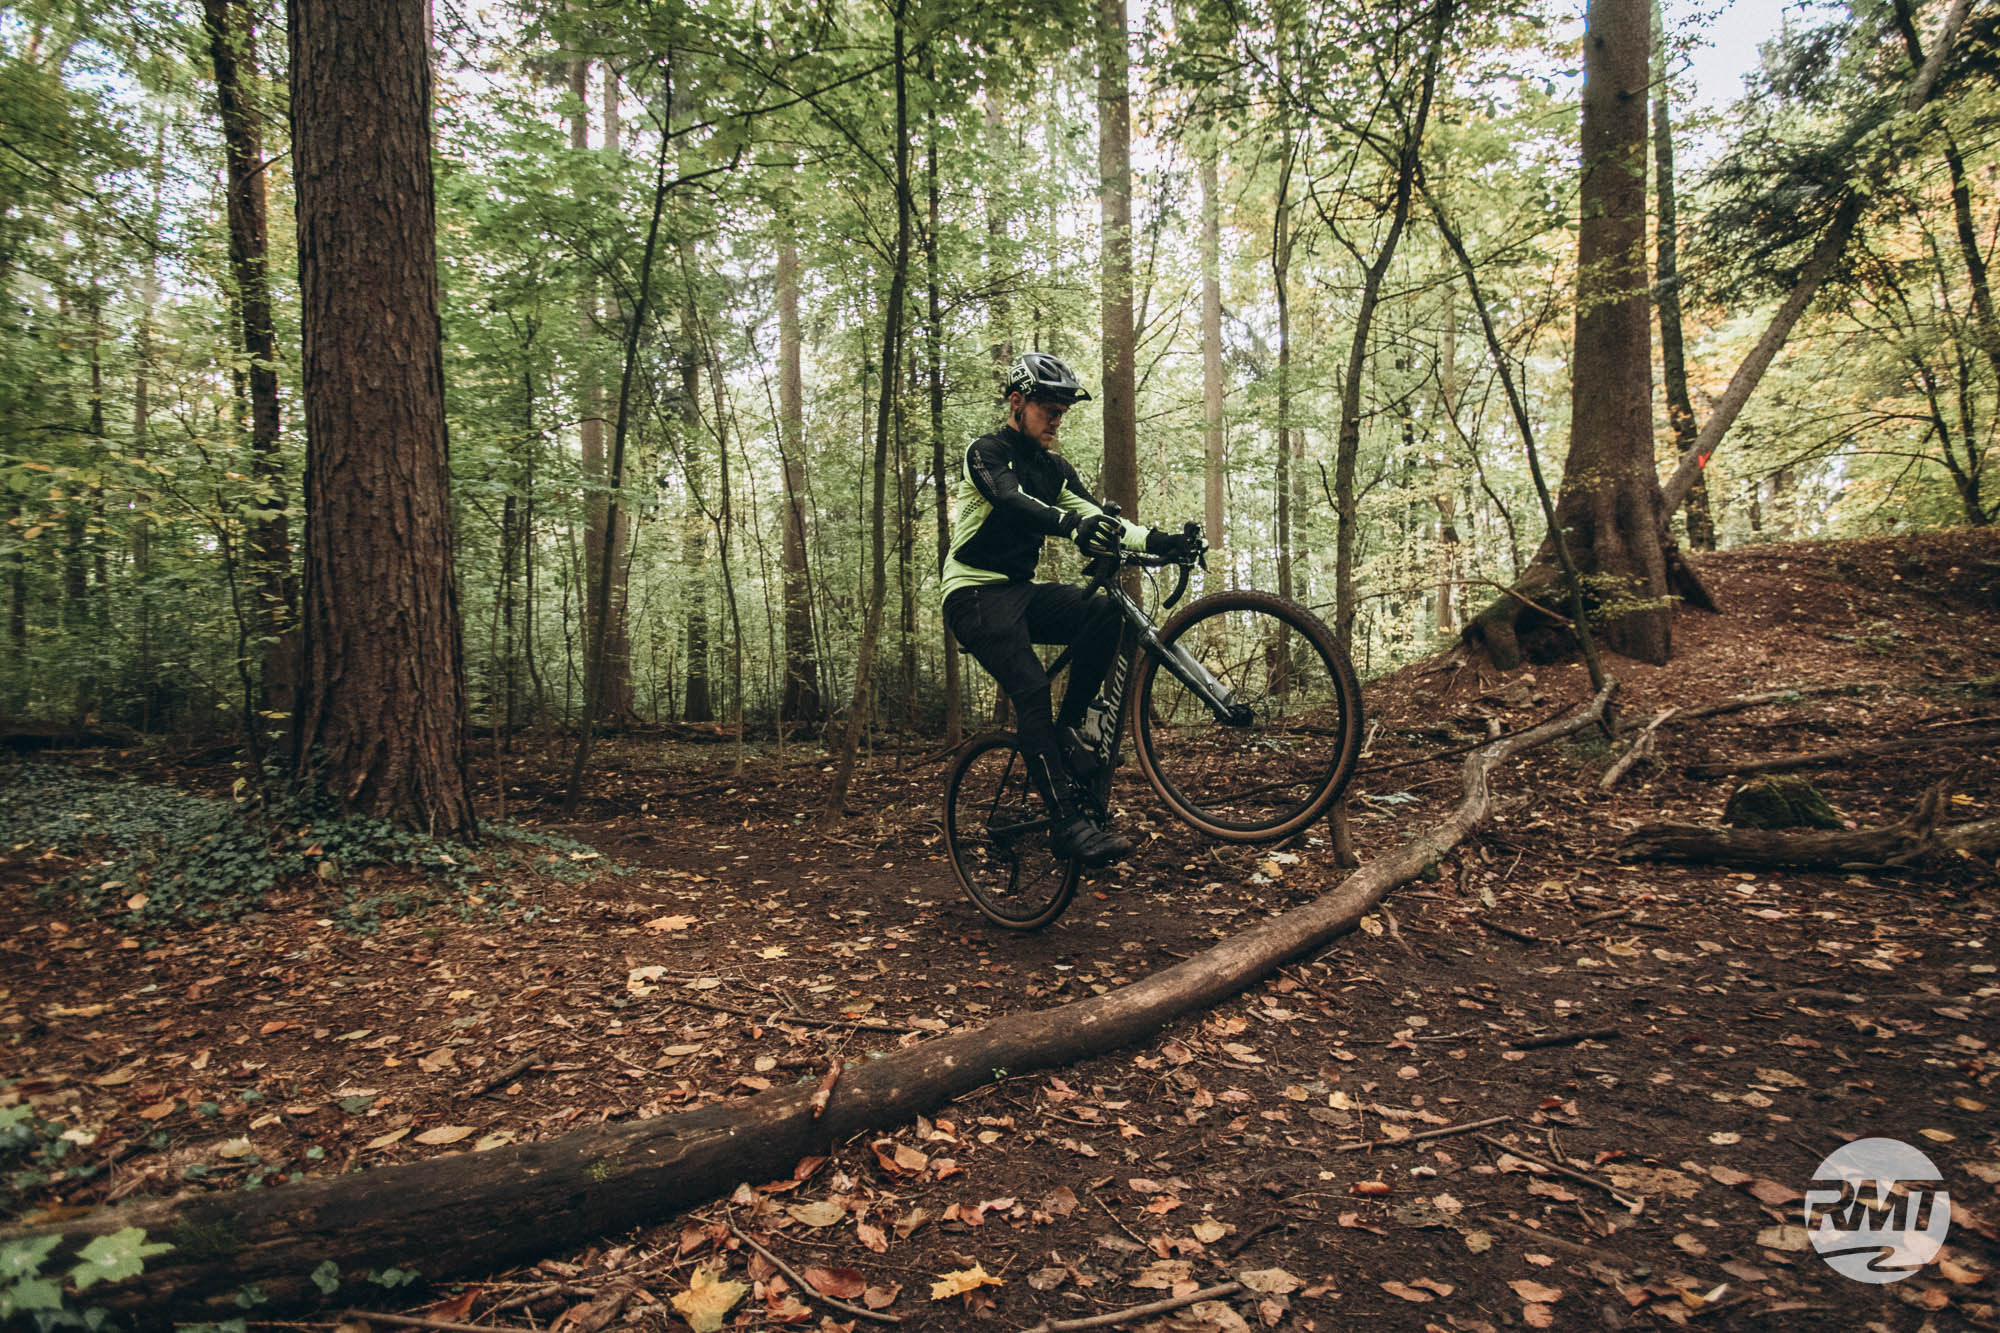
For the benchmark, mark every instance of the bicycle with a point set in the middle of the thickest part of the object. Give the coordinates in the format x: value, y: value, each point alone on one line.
x: 1246, y: 719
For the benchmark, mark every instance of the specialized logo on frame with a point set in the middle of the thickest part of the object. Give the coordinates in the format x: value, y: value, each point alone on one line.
x: 1877, y: 1211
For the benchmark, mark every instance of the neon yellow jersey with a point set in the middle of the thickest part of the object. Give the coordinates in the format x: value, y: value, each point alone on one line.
x: 1012, y: 496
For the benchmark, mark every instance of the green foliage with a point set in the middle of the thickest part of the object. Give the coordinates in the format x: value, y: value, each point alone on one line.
x: 168, y: 857
x: 33, y: 1154
x: 25, y: 1290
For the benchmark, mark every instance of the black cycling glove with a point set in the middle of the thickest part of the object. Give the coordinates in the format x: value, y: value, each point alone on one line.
x: 1098, y: 534
x: 1173, y: 545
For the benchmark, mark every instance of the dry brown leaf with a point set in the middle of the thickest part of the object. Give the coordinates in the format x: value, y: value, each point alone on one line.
x: 1269, y: 1281
x: 1407, y: 1292
x: 843, y: 1284
x: 1534, y: 1292
x: 444, y: 1134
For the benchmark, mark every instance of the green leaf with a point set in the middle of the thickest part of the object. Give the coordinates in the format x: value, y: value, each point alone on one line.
x: 114, y: 1258
x: 32, y: 1293
x: 327, y: 1277
x: 23, y: 1258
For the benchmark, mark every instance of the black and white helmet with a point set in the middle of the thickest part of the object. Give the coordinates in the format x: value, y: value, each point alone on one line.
x: 1039, y: 375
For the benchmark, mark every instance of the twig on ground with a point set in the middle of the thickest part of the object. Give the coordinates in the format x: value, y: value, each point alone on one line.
x: 1512, y: 933
x: 1449, y: 1130
x: 1640, y: 748
x: 1115, y: 1317
x: 804, y: 1020
x: 1114, y: 1217
x: 1563, y: 1039
x: 1396, y: 932
x: 806, y: 1288
x: 825, y: 1088
x: 1250, y: 1237
x: 418, y: 1321
x: 1629, y: 1203
x: 507, y: 1075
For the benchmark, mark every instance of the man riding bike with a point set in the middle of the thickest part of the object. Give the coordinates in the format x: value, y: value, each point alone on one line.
x: 1015, y: 493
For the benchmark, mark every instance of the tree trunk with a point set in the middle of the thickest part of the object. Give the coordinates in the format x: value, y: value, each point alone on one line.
x: 267, y: 542
x: 892, y: 351
x: 1673, y: 360
x: 1211, y: 360
x: 472, y: 1213
x: 1609, y: 505
x: 1347, y: 447
x: 698, y: 703
x: 800, y: 700
x: 602, y: 539
x: 1826, y: 252
x: 1281, y: 259
x: 381, y: 716
x: 954, y: 727
x: 1120, y: 477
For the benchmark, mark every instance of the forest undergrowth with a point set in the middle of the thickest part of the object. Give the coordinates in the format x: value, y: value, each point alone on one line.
x: 1635, y: 1067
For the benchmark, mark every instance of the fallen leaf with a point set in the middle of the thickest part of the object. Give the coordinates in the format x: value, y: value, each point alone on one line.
x: 820, y: 1213
x: 1162, y: 1274
x: 1534, y: 1292
x: 962, y: 1280
x: 444, y: 1134
x: 843, y: 1284
x: 1269, y: 1281
x: 1538, y: 1316
x: 1408, y: 1293
x: 234, y: 1149
x: 707, y: 1301
x: 383, y: 1141
x: 1787, y: 1238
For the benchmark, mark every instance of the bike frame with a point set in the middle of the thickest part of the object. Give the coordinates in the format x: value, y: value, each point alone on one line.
x: 1138, y: 632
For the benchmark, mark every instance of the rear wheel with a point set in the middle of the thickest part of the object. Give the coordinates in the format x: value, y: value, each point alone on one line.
x: 998, y: 835
x: 1286, y: 754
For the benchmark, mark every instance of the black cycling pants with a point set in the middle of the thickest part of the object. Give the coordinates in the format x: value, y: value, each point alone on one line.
x: 1000, y: 623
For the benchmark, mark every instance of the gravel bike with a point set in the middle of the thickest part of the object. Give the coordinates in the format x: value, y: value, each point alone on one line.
x: 1245, y: 715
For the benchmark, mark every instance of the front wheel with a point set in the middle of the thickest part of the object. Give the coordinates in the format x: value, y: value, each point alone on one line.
x: 998, y: 835
x: 1276, y: 761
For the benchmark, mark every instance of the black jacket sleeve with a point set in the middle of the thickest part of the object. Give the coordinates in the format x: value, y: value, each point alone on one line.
x: 992, y: 471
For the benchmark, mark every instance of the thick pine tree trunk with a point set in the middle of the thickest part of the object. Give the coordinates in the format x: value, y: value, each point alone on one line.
x: 1609, y: 503
x: 381, y: 717
x: 268, y: 546
x: 1120, y: 478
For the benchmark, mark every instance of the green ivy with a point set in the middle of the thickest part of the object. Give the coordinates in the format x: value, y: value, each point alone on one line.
x: 169, y: 857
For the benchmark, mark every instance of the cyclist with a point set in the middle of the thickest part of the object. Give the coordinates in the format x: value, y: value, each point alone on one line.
x: 1016, y: 492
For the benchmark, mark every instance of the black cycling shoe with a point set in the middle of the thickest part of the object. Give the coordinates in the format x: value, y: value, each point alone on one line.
x: 1078, y: 838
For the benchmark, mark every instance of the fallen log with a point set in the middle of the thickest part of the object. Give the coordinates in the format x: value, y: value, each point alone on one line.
x: 478, y: 1212
x: 1900, y: 844
x: 1984, y: 740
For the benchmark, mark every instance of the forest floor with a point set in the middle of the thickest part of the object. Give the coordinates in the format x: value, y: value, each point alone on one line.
x: 1707, y: 1035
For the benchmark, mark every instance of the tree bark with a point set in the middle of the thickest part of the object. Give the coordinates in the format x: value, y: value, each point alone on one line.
x: 892, y: 351
x: 1609, y: 504
x: 1667, y: 276
x: 1214, y: 462
x: 267, y: 542
x: 1120, y: 477
x: 954, y: 720
x: 800, y: 699
x: 475, y: 1212
x: 381, y: 716
x: 1916, y: 838
x: 1981, y: 740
